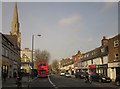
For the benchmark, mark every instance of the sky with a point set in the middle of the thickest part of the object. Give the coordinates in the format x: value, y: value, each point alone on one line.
x: 65, y: 27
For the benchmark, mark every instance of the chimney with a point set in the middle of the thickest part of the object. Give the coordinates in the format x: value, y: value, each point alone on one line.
x: 104, y: 41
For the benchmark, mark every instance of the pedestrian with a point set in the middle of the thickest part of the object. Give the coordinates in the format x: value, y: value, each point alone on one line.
x: 20, y: 75
x: 15, y: 74
x: 19, y: 80
x: 4, y: 76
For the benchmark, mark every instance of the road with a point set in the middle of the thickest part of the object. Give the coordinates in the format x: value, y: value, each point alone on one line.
x: 56, y: 81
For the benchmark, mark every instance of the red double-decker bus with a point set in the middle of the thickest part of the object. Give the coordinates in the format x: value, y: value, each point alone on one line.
x: 42, y: 69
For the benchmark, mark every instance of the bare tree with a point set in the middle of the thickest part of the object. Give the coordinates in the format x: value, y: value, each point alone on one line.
x: 55, y: 66
x: 42, y: 56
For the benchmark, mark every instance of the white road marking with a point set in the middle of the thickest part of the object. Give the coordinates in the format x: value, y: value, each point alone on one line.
x: 51, y: 82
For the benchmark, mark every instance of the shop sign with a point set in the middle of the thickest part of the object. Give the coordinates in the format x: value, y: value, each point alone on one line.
x: 101, y: 66
x: 117, y: 64
x: 92, y: 66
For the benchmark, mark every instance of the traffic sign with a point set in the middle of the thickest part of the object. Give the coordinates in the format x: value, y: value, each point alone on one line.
x: 31, y: 64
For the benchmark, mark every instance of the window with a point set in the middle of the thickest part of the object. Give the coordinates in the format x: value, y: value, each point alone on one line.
x: 11, y: 55
x: 44, y: 64
x: 116, y: 43
x: 102, y: 50
x: 116, y: 57
x: 6, y: 53
x: 3, y: 51
x: 87, y: 55
x: 92, y: 53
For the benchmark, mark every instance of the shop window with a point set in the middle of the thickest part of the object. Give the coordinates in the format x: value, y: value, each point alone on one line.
x: 116, y: 43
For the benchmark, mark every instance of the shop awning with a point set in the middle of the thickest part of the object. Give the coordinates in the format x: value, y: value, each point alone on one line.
x: 92, y: 66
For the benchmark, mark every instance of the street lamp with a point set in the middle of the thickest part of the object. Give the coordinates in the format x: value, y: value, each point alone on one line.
x: 32, y: 53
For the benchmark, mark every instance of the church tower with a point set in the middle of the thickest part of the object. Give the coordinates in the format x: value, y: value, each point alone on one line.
x: 15, y: 26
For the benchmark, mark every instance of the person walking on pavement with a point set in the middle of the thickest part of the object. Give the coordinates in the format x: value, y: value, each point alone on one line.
x: 19, y: 80
x: 15, y: 74
x: 86, y: 79
x: 4, y: 76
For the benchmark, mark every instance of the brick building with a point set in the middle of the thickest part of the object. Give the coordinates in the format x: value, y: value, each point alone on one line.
x: 114, y: 56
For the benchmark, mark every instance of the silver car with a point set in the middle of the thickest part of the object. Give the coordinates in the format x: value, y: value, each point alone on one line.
x: 67, y: 74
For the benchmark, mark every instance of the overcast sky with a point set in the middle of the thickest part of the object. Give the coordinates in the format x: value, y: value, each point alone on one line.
x: 66, y: 27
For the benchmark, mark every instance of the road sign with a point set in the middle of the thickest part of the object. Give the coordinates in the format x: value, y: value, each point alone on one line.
x: 31, y: 64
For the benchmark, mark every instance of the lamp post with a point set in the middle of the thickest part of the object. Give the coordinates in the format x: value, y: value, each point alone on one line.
x: 32, y: 54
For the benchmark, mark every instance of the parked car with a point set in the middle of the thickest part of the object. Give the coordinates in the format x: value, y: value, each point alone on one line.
x: 100, y: 77
x: 80, y: 75
x: 67, y: 74
x: 117, y: 80
x: 62, y: 73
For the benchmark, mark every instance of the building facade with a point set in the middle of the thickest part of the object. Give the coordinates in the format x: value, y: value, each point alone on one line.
x: 104, y: 59
x: 95, y: 61
x: 67, y: 65
x: 11, y: 45
x: 10, y: 56
x: 0, y: 57
x: 26, y: 59
x: 76, y: 58
x: 114, y: 57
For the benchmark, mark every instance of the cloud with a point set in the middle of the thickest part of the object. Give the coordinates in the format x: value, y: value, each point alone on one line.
x: 70, y: 20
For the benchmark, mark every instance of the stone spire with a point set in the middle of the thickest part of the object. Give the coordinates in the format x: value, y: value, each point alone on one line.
x: 15, y: 22
x: 15, y: 15
x: 15, y: 26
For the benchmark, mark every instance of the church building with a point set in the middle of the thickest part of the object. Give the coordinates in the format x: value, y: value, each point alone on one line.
x: 11, y: 46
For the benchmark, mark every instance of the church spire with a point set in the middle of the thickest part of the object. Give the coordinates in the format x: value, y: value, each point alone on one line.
x: 15, y: 26
x: 15, y: 15
x: 15, y: 22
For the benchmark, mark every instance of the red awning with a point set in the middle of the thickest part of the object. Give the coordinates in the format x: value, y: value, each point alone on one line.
x: 92, y: 66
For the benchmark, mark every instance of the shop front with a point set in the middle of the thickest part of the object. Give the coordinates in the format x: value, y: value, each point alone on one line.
x: 5, y: 67
x: 102, y: 69
x: 113, y: 69
x: 92, y: 68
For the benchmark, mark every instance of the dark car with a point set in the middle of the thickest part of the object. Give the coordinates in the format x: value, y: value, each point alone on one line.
x: 100, y: 77
x: 77, y: 74
x: 80, y: 75
x: 117, y: 80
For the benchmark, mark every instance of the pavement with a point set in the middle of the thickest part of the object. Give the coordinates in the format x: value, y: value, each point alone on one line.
x: 11, y: 82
